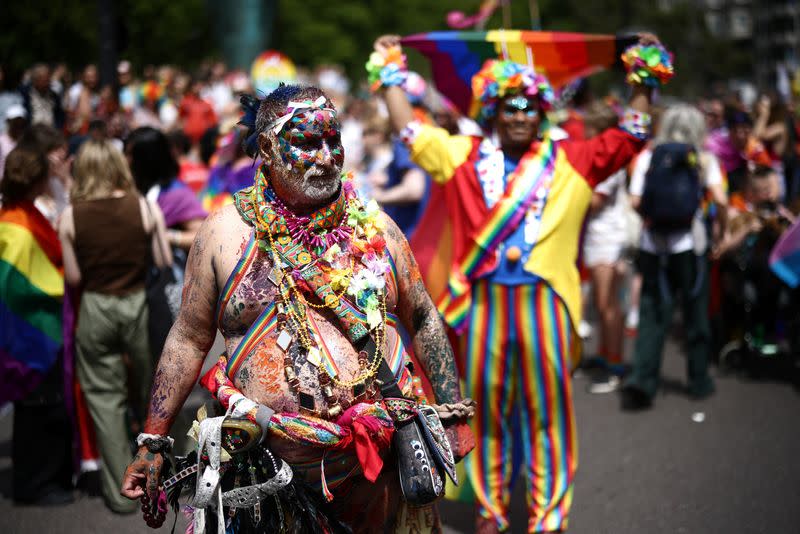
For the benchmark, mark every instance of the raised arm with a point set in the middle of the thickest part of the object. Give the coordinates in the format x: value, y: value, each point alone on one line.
x: 186, y: 347
x: 642, y: 95
x: 400, y: 111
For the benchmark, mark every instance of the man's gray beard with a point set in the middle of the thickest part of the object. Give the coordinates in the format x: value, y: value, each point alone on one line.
x: 319, y: 191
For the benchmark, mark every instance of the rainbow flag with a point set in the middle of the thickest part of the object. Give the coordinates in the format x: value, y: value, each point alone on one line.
x: 456, y: 56
x: 784, y: 260
x: 31, y: 293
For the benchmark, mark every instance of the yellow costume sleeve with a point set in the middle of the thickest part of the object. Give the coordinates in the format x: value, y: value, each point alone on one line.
x: 436, y: 151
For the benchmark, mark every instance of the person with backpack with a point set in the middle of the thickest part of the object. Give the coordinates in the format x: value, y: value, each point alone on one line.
x: 668, y: 185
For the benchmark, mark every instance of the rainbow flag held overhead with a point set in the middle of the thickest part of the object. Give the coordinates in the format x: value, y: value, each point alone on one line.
x: 456, y: 56
x: 784, y: 260
x: 31, y: 293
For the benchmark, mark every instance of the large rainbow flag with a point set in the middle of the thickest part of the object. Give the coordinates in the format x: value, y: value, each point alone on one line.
x: 31, y: 292
x: 456, y: 56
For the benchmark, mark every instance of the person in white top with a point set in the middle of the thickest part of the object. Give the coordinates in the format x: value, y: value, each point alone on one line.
x: 604, y: 245
x: 674, y: 262
x: 16, y: 118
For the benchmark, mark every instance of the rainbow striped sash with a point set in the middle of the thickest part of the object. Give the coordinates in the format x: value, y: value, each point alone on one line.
x: 236, y: 275
x: 261, y: 328
x: 533, y: 172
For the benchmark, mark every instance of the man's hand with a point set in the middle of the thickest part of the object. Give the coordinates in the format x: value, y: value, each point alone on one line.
x: 461, y: 439
x: 60, y: 167
x: 648, y: 39
x: 143, y: 475
x: 385, y: 42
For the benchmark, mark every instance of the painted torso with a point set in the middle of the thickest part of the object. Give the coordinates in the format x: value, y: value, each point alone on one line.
x: 261, y: 376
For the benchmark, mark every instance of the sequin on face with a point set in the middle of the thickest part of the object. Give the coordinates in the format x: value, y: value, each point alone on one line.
x: 311, y: 138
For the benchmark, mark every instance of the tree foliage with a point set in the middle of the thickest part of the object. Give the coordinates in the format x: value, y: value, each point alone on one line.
x: 314, y: 32
x: 148, y: 31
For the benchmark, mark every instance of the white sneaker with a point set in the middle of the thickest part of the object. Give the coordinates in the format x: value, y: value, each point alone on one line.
x: 604, y: 384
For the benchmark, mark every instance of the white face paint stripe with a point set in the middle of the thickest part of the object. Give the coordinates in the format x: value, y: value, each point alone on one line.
x: 294, y: 108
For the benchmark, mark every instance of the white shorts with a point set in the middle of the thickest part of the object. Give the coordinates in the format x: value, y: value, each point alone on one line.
x: 607, y: 253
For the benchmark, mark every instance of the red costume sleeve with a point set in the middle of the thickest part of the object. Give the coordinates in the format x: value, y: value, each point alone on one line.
x: 601, y: 156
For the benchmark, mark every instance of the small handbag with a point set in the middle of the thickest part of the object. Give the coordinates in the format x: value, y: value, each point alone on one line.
x: 423, y: 451
x: 163, y: 287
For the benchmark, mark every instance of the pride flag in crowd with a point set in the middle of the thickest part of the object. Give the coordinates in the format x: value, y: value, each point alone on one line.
x: 785, y: 257
x: 31, y: 292
x: 456, y: 56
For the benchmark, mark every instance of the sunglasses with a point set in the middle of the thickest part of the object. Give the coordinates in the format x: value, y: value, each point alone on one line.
x: 529, y: 108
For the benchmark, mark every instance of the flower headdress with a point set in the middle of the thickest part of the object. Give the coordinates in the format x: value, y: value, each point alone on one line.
x: 649, y: 65
x: 498, y: 79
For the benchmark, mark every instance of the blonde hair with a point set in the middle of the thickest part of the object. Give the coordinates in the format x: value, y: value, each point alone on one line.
x: 99, y: 170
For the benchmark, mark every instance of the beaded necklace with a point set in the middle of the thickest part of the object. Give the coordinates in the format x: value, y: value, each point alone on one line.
x: 319, y: 232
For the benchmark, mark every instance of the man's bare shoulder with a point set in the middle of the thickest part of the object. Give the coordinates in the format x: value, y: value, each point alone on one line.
x: 224, y: 225
x: 394, y: 237
x: 398, y: 246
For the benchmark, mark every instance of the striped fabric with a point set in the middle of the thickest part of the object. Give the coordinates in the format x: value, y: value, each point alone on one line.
x: 236, y: 275
x: 31, y: 293
x: 533, y: 172
x: 518, y: 373
x: 784, y: 260
x: 561, y: 56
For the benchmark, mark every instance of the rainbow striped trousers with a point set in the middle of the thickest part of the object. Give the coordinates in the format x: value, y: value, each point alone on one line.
x: 517, y: 370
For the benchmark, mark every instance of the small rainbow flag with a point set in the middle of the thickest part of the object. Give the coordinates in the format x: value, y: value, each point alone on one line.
x: 31, y: 293
x: 456, y: 56
x: 784, y: 260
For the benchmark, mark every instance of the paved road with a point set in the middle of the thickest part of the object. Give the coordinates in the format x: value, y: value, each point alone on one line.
x: 646, y: 473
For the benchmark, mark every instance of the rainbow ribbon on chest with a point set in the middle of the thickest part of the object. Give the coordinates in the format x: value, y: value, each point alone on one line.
x: 534, y: 171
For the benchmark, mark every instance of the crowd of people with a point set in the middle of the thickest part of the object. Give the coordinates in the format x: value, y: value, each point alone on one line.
x: 105, y: 190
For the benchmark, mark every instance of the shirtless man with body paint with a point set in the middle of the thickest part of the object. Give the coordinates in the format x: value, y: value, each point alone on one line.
x: 300, y: 175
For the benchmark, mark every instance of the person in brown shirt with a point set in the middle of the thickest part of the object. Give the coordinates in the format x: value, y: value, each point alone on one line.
x: 109, y: 235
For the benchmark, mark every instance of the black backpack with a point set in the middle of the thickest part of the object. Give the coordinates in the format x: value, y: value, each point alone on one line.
x: 672, y: 189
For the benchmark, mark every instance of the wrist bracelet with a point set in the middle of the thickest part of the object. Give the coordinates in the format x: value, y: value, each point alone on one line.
x: 386, y: 70
x: 648, y: 65
x: 174, y: 237
x: 155, y: 443
x: 636, y: 123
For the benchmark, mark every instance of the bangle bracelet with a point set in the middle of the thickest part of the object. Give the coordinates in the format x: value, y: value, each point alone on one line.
x: 174, y: 237
x: 649, y: 65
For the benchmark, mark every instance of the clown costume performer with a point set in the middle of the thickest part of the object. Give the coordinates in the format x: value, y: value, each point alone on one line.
x: 511, y: 205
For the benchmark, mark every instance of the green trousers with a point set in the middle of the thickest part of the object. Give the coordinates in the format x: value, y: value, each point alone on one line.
x: 108, y: 327
x: 684, y: 275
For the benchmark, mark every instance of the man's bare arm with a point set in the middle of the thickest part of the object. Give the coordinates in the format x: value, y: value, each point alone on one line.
x: 181, y: 361
x: 420, y: 318
x: 190, y: 337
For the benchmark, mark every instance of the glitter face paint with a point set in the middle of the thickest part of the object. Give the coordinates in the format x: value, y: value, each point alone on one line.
x: 311, y: 138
